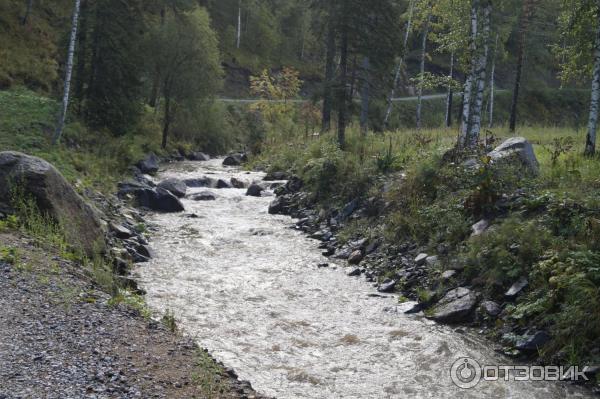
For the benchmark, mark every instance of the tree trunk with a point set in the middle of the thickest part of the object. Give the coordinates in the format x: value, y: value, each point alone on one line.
x: 69, y: 72
x: 239, y: 26
x: 422, y: 72
x: 27, y: 12
x: 166, y: 121
x: 449, y: 95
x: 590, y: 141
x: 524, y: 25
x: 81, y: 57
x: 493, y: 85
x: 482, y: 63
x: 329, y: 78
x: 470, y: 80
x: 342, y: 89
x: 388, y: 111
x: 364, y: 97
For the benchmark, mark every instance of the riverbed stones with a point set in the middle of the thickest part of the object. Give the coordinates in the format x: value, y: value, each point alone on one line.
x: 198, y: 156
x: 223, y: 184
x: 35, y: 178
x: 235, y: 159
x: 149, y: 164
x: 200, y: 182
x: 387, y: 286
x: 177, y: 187
x: 159, y: 200
x: 516, y: 289
x: 355, y: 257
x: 354, y: 272
x: 274, y: 176
x: 516, y: 150
x: 448, y: 274
x: 254, y: 190
x: 204, y: 196
x: 455, y: 307
x: 276, y: 206
x: 238, y: 183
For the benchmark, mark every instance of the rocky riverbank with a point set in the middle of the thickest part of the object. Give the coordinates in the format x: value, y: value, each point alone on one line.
x: 433, y: 283
x: 70, y: 329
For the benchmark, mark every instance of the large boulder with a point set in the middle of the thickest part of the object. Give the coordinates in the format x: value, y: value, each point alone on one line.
x: 254, y: 190
x: 203, y: 181
x: 34, y: 177
x: 158, y: 199
x: 177, y: 187
x: 516, y: 149
x: 235, y: 159
x: 455, y: 307
x: 149, y: 164
x: 198, y: 156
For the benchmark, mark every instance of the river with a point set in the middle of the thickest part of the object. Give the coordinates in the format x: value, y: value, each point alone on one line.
x: 247, y: 287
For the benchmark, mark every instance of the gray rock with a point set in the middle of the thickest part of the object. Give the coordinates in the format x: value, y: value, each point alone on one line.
x: 533, y: 342
x: 198, y: 156
x: 354, y: 272
x: 223, y: 184
x: 149, y: 165
x: 235, y: 159
x: 200, y: 182
x: 237, y: 183
x: 159, y: 199
x: 387, y: 286
x: 516, y: 149
x: 456, y: 306
x: 448, y: 274
x: 432, y: 260
x: 254, y: 190
x: 421, y: 259
x: 516, y: 289
x: 276, y: 206
x: 355, y: 257
x: 274, y: 176
x: 480, y: 227
x: 55, y: 196
x: 177, y: 187
x: 204, y: 196
x: 491, y: 308
x: 121, y: 231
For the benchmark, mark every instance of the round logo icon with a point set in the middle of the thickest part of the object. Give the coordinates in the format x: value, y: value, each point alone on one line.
x: 465, y: 373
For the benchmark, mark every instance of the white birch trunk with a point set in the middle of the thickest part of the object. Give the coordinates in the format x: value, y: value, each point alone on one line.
x: 388, y: 111
x: 493, y: 86
x: 69, y: 72
x: 467, y: 92
x: 364, y: 97
x: 590, y: 142
x: 422, y: 72
x: 239, y: 26
x: 481, y: 72
x: 449, y: 93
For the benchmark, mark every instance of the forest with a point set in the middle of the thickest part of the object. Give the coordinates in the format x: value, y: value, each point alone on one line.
x: 444, y: 150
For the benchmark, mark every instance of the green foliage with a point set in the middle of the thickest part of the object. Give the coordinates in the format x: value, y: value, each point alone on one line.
x: 169, y: 321
x: 566, y: 296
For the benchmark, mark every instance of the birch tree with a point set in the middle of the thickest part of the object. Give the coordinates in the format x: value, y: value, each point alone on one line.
x: 463, y: 140
x: 480, y: 72
x: 493, y: 84
x: 422, y: 70
x: 238, y: 34
x: 68, y: 73
x: 388, y: 111
x: 580, y: 54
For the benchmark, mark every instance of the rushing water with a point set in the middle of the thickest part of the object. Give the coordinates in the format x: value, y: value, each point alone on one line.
x: 247, y: 286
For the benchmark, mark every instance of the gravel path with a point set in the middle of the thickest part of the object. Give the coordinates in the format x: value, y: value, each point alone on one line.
x: 60, y: 338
